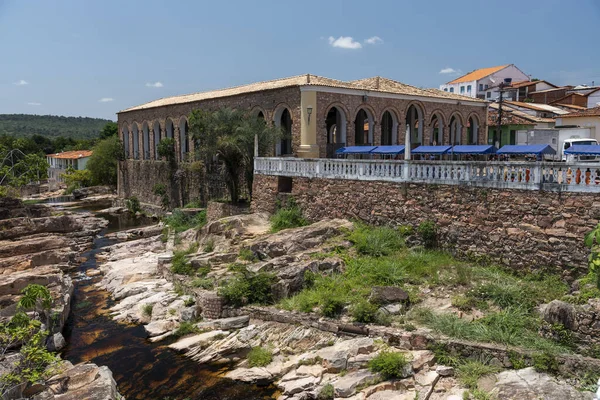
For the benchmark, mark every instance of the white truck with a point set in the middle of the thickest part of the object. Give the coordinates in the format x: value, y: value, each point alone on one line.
x: 560, y: 139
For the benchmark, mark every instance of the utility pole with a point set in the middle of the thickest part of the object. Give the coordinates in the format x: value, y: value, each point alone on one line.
x: 501, y: 87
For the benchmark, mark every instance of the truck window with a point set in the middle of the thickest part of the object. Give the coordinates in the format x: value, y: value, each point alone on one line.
x: 567, y: 145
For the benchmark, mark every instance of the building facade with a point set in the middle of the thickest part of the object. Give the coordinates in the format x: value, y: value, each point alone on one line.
x: 477, y: 84
x: 61, y: 162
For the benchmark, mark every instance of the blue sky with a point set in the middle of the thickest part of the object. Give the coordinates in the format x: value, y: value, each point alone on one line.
x: 94, y: 58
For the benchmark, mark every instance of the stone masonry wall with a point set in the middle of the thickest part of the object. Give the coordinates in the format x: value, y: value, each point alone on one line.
x: 521, y: 229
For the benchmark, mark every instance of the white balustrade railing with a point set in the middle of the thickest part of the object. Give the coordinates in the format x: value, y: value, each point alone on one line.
x: 574, y: 177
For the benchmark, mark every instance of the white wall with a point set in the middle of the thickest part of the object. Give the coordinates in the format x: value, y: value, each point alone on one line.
x: 594, y: 99
x: 585, y: 122
x: 456, y: 87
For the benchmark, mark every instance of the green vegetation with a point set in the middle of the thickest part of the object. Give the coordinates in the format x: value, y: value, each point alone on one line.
x: 230, y: 135
x: 428, y: 232
x: 209, y: 246
x: 388, y: 364
x: 380, y: 241
x: 545, y: 362
x: 185, y: 328
x: 181, y: 264
x: 247, y: 288
x: 469, y: 371
x: 193, y: 204
x: 161, y: 190
x: 247, y: 255
x: 147, y: 309
x: 363, y: 311
x: 287, y: 217
x: 51, y: 126
x: 327, y: 392
x: 103, y: 163
x: 203, y: 283
x: 178, y: 221
x: 592, y: 240
x: 259, y: 357
x: 133, y: 205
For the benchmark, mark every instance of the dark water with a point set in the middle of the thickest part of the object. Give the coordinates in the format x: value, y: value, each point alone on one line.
x: 143, y: 370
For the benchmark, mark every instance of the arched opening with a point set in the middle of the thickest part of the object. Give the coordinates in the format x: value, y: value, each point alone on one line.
x: 414, y: 125
x: 136, y: 142
x: 455, y: 130
x: 156, y: 138
x: 146, y: 141
x: 389, y: 129
x: 169, y: 129
x: 260, y: 115
x: 184, y: 142
x: 473, y: 128
x: 363, y: 128
x: 437, y: 131
x: 335, y: 123
x: 283, y: 120
x: 126, y: 141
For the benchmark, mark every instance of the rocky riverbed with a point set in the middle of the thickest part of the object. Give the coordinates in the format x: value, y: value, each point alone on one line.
x: 311, y: 358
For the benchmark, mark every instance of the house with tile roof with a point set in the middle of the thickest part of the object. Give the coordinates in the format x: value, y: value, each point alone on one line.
x: 477, y: 83
x: 588, y: 118
x: 60, y: 162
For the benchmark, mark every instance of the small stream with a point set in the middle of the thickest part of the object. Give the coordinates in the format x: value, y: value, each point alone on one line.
x: 143, y: 370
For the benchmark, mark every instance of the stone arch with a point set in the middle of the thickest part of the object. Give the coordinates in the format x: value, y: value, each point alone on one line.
x: 135, y: 133
x: 363, y: 126
x: 145, y: 141
x: 473, y: 126
x: 335, y: 129
x: 125, y: 135
x: 282, y: 118
x: 258, y: 112
x: 415, y: 119
x: 455, y: 126
x: 156, y: 132
x: 339, y: 106
x: 436, y: 124
x: 184, y: 142
x: 389, y: 127
x: 169, y: 128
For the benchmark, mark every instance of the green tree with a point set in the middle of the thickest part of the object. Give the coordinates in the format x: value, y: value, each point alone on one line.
x: 229, y: 135
x: 109, y: 130
x: 592, y: 240
x: 104, y: 161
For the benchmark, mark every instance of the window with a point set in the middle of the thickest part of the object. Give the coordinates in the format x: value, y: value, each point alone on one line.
x: 462, y: 89
x: 485, y: 87
x: 481, y: 87
x: 513, y: 137
x: 451, y: 90
x: 468, y: 88
x: 445, y: 89
x: 488, y: 95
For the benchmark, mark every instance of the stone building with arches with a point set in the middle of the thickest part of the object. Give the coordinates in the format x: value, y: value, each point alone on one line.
x: 318, y: 115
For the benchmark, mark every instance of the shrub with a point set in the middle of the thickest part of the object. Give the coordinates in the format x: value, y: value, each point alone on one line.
x: 147, y: 309
x: 468, y: 372
x: 247, y: 255
x: 331, y: 306
x: 363, y: 311
x: 190, y: 301
x: 185, y: 328
x: 180, y: 222
x: 259, y: 357
x: 428, y: 232
x: 327, y: 392
x: 161, y: 190
x: 181, y: 264
x: 287, y: 217
x: 203, y: 283
x: 545, y: 362
x: 248, y: 288
x: 133, y: 205
x: 405, y: 230
x: 76, y: 179
x: 376, y: 241
x: 209, y: 246
x: 389, y: 364
x: 193, y: 204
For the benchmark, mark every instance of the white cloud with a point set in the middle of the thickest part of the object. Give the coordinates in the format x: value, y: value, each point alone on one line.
x: 33, y: 103
x: 448, y: 71
x: 105, y: 99
x: 374, y: 40
x: 344, y: 42
x: 155, y: 84
x: 21, y: 82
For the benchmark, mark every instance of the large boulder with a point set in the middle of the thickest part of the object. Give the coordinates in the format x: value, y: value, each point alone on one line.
x: 559, y: 312
x: 529, y: 384
x: 388, y: 294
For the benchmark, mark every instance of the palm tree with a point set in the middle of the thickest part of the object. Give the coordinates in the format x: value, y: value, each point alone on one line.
x: 228, y: 135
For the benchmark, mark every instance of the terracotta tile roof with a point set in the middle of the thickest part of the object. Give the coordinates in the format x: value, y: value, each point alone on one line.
x: 521, y: 114
x: 72, y: 155
x: 378, y: 84
x: 530, y: 83
x: 508, y: 118
x: 589, y: 112
x: 537, y: 107
x: 477, y: 74
x: 572, y: 106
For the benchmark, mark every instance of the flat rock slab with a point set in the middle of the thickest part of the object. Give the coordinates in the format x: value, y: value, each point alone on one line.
x: 529, y: 384
x: 226, y: 323
x: 346, y: 385
x: 299, y: 385
x: 202, y: 339
x: 250, y: 375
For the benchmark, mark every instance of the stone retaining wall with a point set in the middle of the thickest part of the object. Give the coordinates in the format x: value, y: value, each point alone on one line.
x: 217, y: 210
x: 521, y: 229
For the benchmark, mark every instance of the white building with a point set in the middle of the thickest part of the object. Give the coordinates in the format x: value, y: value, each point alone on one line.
x: 60, y: 162
x: 593, y: 99
x: 589, y: 118
x: 477, y: 83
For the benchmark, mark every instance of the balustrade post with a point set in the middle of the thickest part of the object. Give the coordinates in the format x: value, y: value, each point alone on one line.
x: 537, y: 175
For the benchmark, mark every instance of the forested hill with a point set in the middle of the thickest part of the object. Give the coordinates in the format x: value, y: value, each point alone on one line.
x: 51, y: 126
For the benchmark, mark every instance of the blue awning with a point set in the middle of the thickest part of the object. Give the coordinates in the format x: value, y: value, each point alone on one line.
x: 538, y: 149
x: 590, y: 149
x: 431, y: 150
x: 355, y: 150
x: 474, y: 149
x: 388, y: 150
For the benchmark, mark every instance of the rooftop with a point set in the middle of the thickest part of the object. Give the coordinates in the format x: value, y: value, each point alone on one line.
x: 537, y: 107
x: 72, y: 155
x: 477, y: 74
x: 590, y: 112
x: 376, y: 84
x: 508, y: 118
x: 521, y: 114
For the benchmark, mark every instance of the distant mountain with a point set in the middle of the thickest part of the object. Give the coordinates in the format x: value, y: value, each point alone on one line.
x: 51, y: 126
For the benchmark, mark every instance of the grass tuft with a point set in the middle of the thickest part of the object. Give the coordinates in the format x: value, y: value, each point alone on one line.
x: 287, y: 217
x: 259, y: 357
x: 376, y: 241
x: 388, y: 364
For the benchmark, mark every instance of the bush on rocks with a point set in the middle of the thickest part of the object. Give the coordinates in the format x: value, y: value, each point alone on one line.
x: 389, y: 364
